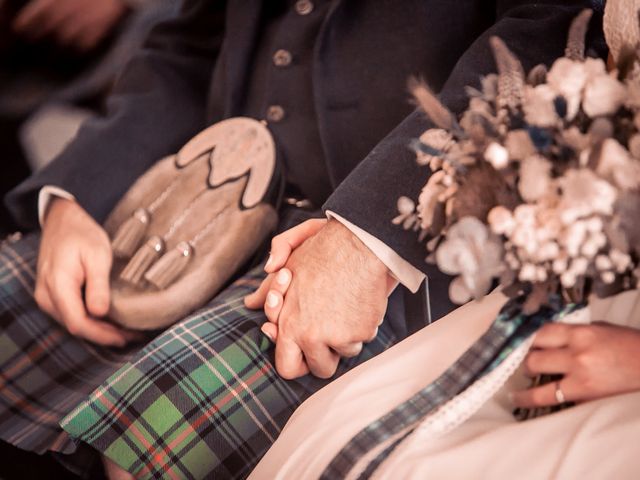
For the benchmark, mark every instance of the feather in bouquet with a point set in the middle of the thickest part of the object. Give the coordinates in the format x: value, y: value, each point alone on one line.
x: 537, y: 184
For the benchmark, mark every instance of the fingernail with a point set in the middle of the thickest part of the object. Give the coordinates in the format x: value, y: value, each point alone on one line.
x: 272, y: 300
x: 283, y: 277
x: 267, y: 334
x: 269, y: 260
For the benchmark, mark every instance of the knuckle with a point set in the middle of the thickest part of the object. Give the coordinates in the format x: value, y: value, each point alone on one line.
x: 73, y: 328
x: 39, y: 294
x: 285, y: 371
x: 531, y: 361
x: 585, y: 360
x: 583, y: 335
x: 538, y: 397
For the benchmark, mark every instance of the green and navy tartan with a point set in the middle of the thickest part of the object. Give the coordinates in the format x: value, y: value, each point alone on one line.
x: 508, y: 331
x: 200, y: 400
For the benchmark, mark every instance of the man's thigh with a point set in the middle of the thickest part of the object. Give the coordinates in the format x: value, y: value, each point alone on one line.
x: 202, y: 399
x: 44, y: 371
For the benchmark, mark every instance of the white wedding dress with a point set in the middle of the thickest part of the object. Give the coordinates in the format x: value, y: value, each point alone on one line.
x: 599, y: 439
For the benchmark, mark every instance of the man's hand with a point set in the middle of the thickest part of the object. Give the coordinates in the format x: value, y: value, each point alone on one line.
x: 270, y: 294
x: 78, y: 24
x: 596, y: 361
x: 75, y: 253
x: 336, y: 300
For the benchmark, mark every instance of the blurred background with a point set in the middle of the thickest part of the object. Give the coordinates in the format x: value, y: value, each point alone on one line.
x: 58, y: 61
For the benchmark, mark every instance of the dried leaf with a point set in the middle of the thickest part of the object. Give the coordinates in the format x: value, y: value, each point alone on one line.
x: 577, y: 35
x: 511, y: 79
x: 431, y: 105
x: 537, y: 75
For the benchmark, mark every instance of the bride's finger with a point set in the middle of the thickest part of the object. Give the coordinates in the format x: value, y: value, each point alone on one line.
x: 256, y: 300
x: 282, y: 245
x: 550, y: 394
x: 555, y: 360
x: 552, y: 335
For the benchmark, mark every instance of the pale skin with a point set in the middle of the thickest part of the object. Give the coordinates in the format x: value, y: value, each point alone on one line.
x: 337, y: 293
x: 596, y: 361
x: 75, y: 255
x: 77, y: 24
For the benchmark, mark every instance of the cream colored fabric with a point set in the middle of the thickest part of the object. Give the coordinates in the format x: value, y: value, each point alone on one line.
x: 594, y: 440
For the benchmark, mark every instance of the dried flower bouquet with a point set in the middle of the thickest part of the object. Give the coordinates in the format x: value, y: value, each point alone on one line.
x: 537, y: 184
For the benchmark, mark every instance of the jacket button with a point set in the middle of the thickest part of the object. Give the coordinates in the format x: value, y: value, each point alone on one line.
x: 275, y: 113
x: 304, y: 7
x: 282, y: 58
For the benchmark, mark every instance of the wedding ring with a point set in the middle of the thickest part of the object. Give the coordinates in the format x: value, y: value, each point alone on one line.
x: 559, y: 394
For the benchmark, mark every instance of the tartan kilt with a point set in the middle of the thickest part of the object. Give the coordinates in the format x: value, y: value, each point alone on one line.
x: 200, y: 400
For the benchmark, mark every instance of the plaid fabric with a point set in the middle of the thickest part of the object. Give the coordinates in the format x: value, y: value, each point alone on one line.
x: 368, y: 449
x: 200, y: 400
x: 44, y: 372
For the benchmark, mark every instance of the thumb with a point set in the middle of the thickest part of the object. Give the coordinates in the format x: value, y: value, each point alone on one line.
x: 97, y: 268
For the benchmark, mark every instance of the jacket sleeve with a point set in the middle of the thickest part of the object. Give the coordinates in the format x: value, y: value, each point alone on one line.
x: 158, y: 102
x: 536, y: 32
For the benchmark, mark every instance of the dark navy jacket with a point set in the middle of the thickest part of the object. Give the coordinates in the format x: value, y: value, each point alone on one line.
x: 199, y: 69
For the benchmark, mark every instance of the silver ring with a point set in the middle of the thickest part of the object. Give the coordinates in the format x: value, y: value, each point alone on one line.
x: 560, y: 398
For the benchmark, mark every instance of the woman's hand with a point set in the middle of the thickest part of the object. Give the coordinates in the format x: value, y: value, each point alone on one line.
x: 596, y: 361
x: 270, y: 294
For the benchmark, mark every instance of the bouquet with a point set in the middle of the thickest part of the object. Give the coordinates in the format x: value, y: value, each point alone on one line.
x: 536, y: 185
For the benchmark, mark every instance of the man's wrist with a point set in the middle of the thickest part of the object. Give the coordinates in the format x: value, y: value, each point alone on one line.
x: 333, y: 226
x: 57, y: 207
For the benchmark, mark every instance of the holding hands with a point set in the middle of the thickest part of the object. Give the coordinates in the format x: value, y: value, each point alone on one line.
x: 327, y: 301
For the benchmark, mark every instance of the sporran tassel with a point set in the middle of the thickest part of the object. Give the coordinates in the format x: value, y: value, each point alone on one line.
x: 166, y: 270
x: 142, y: 260
x: 130, y: 234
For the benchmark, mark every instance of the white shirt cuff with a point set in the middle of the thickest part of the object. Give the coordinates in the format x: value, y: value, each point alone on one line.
x: 403, y: 271
x: 46, y: 195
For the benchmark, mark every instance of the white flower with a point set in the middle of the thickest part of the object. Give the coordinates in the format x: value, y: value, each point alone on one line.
x: 539, y: 108
x: 497, y: 155
x: 472, y: 252
x: 616, y: 164
x: 585, y: 194
x: 535, y: 178
x: 603, y: 263
x: 603, y: 95
x: 568, y: 78
x: 406, y: 206
x: 608, y: 277
x: 501, y: 220
x: 621, y: 261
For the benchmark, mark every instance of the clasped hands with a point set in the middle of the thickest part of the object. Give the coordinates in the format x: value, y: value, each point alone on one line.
x: 325, y: 296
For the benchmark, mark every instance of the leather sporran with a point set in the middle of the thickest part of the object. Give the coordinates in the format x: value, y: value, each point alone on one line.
x: 189, y: 223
